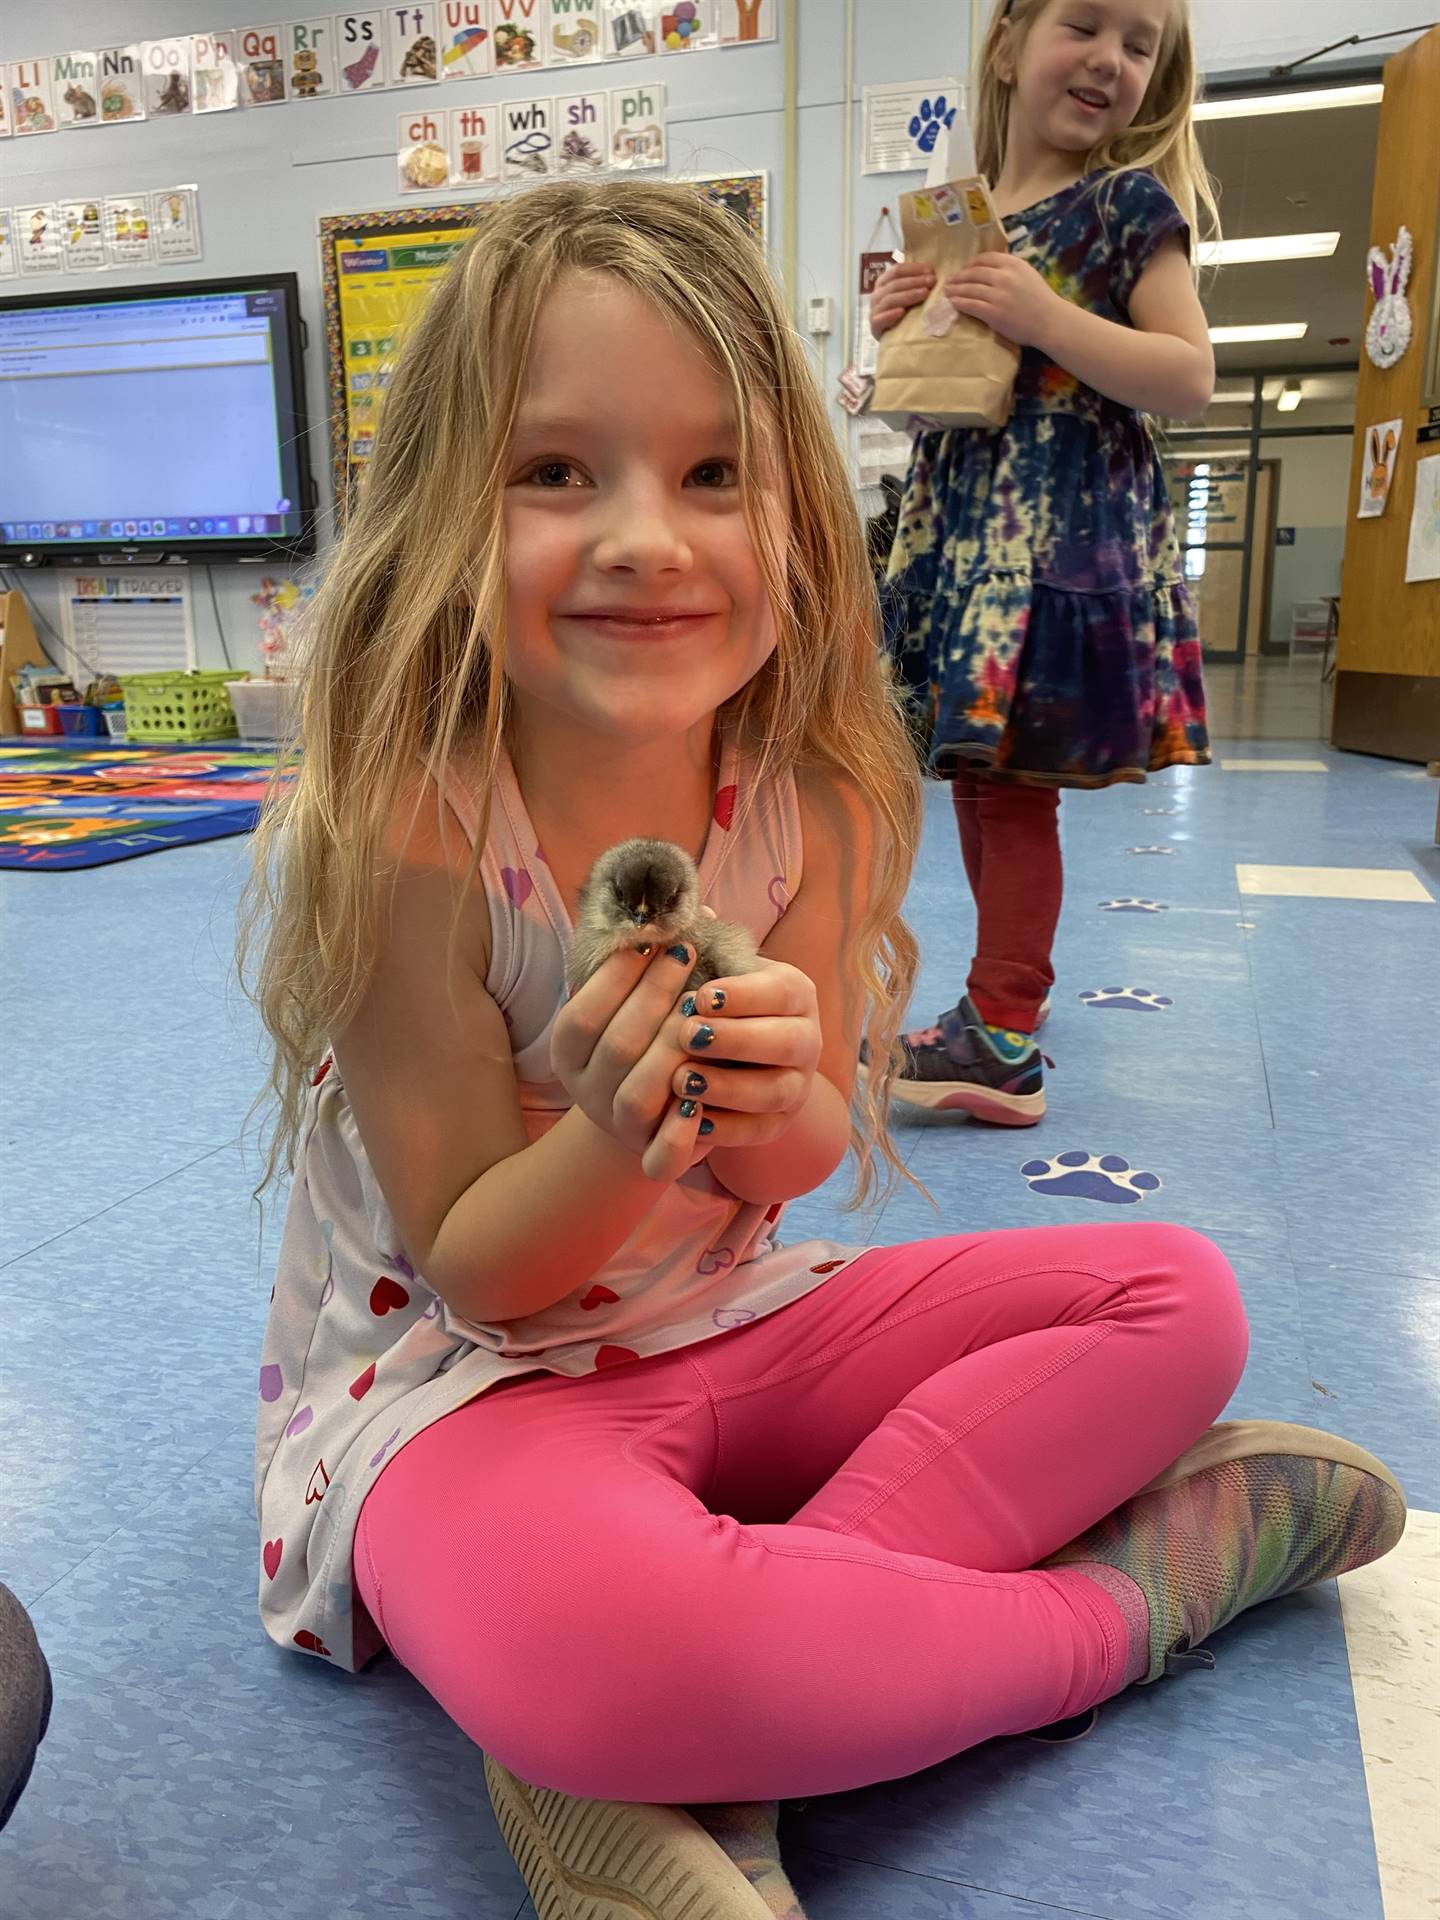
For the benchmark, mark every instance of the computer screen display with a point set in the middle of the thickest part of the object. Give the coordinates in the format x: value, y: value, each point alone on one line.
x: 163, y: 420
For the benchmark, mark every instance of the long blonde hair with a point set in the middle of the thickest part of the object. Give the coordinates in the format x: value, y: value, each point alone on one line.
x: 1161, y: 137
x: 404, y: 654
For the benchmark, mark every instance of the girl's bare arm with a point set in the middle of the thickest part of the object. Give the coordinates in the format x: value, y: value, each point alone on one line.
x: 1161, y: 363
x: 499, y: 1227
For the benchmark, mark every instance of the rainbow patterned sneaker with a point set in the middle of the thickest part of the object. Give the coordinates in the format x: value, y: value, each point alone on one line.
x: 960, y: 1066
x: 1252, y: 1511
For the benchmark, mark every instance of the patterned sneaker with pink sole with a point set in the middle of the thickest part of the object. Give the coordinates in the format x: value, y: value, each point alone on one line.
x: 958, y: 1066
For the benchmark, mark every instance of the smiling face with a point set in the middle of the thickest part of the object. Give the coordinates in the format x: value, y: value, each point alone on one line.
x: 1083, y: 69
x: 635, y: 602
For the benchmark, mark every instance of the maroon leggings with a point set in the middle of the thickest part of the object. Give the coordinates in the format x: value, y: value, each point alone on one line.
x: 1010, y: 840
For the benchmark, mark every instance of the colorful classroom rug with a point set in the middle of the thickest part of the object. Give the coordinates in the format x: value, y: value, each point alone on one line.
x: 67, y: 806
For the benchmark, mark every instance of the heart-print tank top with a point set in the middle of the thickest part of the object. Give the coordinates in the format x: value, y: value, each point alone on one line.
x: 360, y: 1354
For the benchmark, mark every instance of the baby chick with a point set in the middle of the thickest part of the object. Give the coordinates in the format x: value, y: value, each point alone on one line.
x: 647, y: 893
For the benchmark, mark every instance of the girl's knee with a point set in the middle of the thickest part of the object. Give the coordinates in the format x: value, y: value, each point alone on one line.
x: 1207, y: 1309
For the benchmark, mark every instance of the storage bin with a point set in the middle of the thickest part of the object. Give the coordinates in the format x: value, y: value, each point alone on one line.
x: 115, y: 721
x: 83, y: 722
x: 178, y: 706
x: 39, y: 719
x: 265, y: 710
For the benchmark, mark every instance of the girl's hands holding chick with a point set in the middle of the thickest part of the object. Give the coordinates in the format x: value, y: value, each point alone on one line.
x: 644, y: 1060
x: 768, y: 1024
x: 1009, y: 295
x: 615, y: 1048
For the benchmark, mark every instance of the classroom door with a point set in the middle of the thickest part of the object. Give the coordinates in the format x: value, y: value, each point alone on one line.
x: 1207, y: 492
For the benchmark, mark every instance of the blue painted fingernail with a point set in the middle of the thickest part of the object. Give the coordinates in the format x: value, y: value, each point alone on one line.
x: 687, y: 1005
x: 687, y: 1110
x: 717, y: 999
x: 706, y: 1126
x: 682, y: 954
x: 695, y: 1083
x: 702, y: 1037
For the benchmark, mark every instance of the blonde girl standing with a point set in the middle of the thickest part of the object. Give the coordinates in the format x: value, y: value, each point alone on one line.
x: 1036, y: 594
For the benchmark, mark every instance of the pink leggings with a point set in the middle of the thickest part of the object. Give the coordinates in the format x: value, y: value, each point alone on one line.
x: 792, y: 1560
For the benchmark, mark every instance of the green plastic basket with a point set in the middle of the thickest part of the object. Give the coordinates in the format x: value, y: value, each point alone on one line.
x: 178, y: 706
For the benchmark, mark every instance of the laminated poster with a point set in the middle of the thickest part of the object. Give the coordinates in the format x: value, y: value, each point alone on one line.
x: 37, y: 240
x: 127, y: 230
x: 572, y: 31
x: 32, y: 96
x: 214, y: 77
x: 82, y: 234
x: 411, y: 54
x: 165, y: 66
x: 527, y: 141
x: 175, y: 223
x: 9, y: 265
x: 261, y: 52
x: 75, y: 79
x: 519, y: 27
x: 122, y: 94
x: 310, y: 74
x: 745, y: 21
x: 359, y: 52
x: 474, y: 148
x: 423, y: 154
x: 902, y: 124
x: 582, y: 133
x: 4, y: 105
x: 466, y: 50
x: 628, y: 30
x: 687, y: 25
x: 637, y: 128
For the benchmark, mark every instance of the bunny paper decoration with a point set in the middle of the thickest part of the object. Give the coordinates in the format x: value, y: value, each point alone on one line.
x: 1388, y: 334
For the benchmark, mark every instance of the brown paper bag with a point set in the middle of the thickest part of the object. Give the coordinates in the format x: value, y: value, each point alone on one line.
x: 937, y: 367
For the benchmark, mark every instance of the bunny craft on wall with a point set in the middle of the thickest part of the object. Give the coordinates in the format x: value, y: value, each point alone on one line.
x: 1388, y: 332
x: 1381, y: 449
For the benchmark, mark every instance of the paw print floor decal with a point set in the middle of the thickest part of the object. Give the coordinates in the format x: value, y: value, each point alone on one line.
x: 1125, y: 999
x: 1087, y: 1176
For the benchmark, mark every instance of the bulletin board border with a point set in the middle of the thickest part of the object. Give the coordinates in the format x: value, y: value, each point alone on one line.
x: 753, y: 187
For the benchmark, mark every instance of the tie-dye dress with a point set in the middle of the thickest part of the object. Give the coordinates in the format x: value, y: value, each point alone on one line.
x: 1035, y: 600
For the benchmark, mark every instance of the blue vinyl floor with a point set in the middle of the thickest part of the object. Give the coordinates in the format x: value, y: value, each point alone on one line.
x: 1285, y: 1095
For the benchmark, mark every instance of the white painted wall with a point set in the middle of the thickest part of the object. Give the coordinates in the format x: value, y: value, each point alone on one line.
x: 1314, y: 486
x: 1314, y: 479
